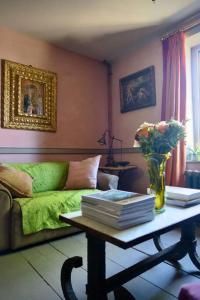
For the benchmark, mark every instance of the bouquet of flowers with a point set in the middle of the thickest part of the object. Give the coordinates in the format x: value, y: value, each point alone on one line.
x: 159, y: 138
x: 156, y: 141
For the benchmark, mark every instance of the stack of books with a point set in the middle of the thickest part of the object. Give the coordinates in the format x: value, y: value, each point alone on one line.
x: 118, y: 209
x: 180, y: 196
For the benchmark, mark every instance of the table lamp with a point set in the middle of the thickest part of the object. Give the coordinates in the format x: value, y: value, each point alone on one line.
x: 108, y: 139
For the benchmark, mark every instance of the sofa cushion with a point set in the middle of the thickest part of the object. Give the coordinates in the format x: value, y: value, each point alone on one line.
x: 43, y: 210
x: 17, y: 182
x: 83, y: 174
x: 47, y: 176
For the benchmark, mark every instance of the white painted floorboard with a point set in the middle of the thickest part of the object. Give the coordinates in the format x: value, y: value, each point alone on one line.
x: 34, y: 273
x: 18, y: 281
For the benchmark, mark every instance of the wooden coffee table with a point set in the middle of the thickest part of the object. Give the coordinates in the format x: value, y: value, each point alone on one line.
x: 97, y: 234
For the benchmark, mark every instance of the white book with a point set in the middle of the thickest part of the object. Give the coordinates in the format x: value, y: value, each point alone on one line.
x: 180, y: 193
x: 182, y: 203
x: 118, y: 218
x: 121, y: 225
x: 117, y: 199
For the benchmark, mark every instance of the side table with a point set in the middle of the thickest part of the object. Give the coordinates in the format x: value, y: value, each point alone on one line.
x: 121, y: 171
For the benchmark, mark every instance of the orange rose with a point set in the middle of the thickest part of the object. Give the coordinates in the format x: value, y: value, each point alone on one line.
x: 143, y: 132
x: 146, y: 125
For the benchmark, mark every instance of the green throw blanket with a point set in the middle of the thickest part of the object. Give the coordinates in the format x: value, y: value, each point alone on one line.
x: 43, y: 210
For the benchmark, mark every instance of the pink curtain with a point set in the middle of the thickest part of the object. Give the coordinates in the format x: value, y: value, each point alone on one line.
x: 174, y: 100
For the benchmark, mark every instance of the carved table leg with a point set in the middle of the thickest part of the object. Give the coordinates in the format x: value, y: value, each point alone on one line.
x: 69, y: 264
x: 189, y: 242
x: 121, y: 294
x: 95, y: 288
x: 189, y: 236
x: 176, y: 256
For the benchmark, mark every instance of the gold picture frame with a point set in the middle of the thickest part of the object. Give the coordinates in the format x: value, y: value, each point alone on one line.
x: 28, y: 97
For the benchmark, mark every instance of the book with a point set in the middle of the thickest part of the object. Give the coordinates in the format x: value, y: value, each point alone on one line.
x: 182, y: 203
x: 118, y: 209
x: 180, y: 193
x: 115, y: 195
x: 86, y: 209
x: 113, y: 199
x: 121, y: 224
x: 140, y: 206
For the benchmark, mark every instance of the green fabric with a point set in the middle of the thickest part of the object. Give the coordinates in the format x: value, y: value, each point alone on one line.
x: 47, y: 176
x: 43, y: 210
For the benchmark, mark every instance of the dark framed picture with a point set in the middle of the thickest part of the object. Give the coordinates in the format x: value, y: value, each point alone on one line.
x: 28, y: 97
x: 138, y: 90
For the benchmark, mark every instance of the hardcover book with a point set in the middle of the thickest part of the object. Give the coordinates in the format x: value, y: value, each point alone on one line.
x: 182, y: 194
x: 182, y: 203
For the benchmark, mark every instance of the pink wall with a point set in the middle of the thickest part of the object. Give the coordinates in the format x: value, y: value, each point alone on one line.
x: 81, y: 94
x: 46, y: 157
x: 126, y: 124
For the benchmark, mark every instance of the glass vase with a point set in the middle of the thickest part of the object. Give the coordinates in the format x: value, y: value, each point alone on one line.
x: 156, y: 167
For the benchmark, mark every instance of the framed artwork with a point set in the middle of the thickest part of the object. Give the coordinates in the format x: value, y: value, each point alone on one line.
x: 138, y: 90
x: 28, y: 97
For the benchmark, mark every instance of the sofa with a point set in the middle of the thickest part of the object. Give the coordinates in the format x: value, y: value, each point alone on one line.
x: 29, y: 220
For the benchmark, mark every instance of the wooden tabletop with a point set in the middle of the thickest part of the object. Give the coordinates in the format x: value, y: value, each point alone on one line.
x: 164, y: 222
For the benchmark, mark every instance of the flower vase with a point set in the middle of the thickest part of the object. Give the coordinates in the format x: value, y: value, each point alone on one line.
x: 156, y: 167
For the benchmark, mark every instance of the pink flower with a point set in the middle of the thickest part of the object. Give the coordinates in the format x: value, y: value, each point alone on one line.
x: 159, y: 138
x: 162, y: 127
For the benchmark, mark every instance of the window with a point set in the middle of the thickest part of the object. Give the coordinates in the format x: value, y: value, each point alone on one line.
x: 193, y: 96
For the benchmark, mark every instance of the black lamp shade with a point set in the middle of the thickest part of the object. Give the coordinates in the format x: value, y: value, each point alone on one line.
x: 102, y: 140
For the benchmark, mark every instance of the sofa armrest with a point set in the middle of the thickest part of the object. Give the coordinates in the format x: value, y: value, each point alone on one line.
x: 6, y: 203
x: 106, y: 181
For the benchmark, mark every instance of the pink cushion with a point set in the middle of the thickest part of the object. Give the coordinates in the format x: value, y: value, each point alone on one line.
x: 83, y: 174
x: 190, y: 292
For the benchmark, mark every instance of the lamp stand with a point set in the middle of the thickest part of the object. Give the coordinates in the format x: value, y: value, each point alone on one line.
x: 110, y: 158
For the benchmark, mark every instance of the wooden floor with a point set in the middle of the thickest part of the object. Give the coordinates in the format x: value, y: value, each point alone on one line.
x: 34, y: 273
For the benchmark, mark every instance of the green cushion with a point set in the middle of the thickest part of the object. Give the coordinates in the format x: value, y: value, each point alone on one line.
x: 47, y: 176
x: 43, y: 210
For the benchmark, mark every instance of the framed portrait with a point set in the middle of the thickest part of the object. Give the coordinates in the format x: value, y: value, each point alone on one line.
x: 138, y: 90
x: 28, y: 97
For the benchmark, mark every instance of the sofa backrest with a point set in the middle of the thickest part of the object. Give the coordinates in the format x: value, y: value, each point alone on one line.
x: 47, y: 176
